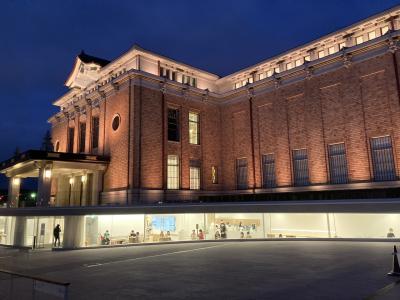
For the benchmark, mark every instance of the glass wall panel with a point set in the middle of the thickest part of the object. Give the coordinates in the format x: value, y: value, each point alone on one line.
x: 237, y: 226
x: 175, y: 227
x: 113, y: 229
x: 6, y: 230
x: 346, y: 225
x: 293, y: 225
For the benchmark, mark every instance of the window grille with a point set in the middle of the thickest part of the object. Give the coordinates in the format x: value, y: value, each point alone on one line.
x: 382, y: 159
x: 300, y: 167
x: 337, y: 163
x: 268, y: 169
x: 241, y: 173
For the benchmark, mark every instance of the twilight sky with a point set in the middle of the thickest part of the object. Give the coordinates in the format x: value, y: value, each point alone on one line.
x: 40, y: 39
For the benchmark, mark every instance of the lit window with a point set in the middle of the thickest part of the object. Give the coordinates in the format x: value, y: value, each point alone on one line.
x: 269, y: 73
x: 238, y: 85
x: 276, y: 69
x: 384, y: 30
x: 331, y: 50
x: 214, y: 174
x: 261, y: 76
x: 298, y: 62
x: 321, y: 54
x: 194, y: 174
x: 289, y: 66
x: 194, y: 128
x: 307, y: 58
x: 173, y: 172
x: 173, y: 125
x: 244, y: 82
x: 337, y: 163
x: 359, y: 40
x: 342, y: 45
x: 382, y: 159
x: 371, y: 35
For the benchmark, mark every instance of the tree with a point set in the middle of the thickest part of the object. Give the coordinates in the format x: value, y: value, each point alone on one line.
x: 47, y: 145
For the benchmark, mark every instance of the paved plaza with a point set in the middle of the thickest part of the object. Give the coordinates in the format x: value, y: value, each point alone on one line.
x: 218, y: 270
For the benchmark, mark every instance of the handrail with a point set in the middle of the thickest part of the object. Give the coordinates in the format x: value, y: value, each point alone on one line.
x: 66, y: 284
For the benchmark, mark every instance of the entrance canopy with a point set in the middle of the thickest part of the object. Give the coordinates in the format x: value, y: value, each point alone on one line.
x: 63, y: 178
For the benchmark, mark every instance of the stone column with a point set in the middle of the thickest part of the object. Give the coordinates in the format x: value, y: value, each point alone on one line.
x: 19, y: 231
x: 44, y: 185
x: 97, y: 187
x: 13, y: 191
x: 73, y: 231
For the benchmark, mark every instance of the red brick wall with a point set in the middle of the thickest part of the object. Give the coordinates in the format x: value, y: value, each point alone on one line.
x: 348, y: 105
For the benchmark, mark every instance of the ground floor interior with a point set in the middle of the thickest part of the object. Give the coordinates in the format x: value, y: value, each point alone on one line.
x: 118, y: 229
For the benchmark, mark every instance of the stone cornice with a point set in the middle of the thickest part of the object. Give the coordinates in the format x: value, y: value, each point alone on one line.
x: 344, y: 58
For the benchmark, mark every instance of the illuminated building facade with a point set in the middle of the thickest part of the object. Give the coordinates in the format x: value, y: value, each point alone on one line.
x: 321, y: 119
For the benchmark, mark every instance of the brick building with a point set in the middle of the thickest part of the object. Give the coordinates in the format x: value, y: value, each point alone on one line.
x: 319, y: 122
x: 323, y: 116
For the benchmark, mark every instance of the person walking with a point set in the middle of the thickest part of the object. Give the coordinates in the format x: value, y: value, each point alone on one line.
x: 56, y: 233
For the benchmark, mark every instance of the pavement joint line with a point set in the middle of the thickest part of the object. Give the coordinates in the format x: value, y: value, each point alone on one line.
x: 383, y: 290
x: 150, y: 256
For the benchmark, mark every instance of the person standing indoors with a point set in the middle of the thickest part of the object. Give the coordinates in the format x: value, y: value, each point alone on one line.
x: 56, y: 233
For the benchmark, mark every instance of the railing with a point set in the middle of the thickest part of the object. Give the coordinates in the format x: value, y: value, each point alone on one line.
x: 18, y: 286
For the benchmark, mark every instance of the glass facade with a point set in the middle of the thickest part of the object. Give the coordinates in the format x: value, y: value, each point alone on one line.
x: 105, y: 230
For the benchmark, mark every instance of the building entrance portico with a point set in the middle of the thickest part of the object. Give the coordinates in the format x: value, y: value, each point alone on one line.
x: 64, y: 179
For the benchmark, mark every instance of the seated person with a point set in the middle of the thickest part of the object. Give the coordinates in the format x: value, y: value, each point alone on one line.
x: 106, y: 238
x: 162, y: 236
x: 248, y: 235
x: 168, y: 236
x: 193, y: 236
x: 201, y: 235
x: 137, y: 239
x: 132, y: 236
x: 242, y: 235
x: 390, y: 233
x: 217, y: 235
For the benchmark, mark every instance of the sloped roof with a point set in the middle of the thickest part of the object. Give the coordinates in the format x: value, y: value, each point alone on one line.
x: 92, y: 59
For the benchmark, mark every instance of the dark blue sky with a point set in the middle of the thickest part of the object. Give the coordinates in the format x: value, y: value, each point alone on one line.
x: 40, y: 39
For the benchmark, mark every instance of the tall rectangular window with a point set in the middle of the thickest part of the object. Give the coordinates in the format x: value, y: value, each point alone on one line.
x: 173, y: 125
x: 371, y: 35
x: 384, y: 30
x: 95, y: 132
x: 82, y: 137
x: 337, y: 163
x: 173, y: 172
x: 331, y: 50
x: 194, y: 174
x: 241, y: 174
x: 342, y: 45
x: 321, y: 54
x: 268, y: 170
x: 214, y: 174
x: 300, y: 167
x: 194, y: 128
x: 382, y: 159
x: 71, y: 136
x: 359, y: 40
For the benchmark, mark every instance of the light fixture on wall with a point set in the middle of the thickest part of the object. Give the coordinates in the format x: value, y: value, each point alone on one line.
x: 71, y: 181
x: 47, y: 173
x: 16, y: 181
x: 83, y: 178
